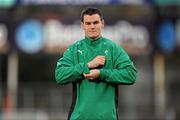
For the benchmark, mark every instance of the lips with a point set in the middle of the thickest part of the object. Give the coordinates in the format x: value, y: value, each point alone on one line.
x: 92, y: 31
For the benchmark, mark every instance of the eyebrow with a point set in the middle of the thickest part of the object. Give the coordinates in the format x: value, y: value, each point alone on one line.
x: 94, y: 22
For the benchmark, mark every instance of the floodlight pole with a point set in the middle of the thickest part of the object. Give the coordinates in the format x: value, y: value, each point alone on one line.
x: 159, y: 85
x: 12, y: 81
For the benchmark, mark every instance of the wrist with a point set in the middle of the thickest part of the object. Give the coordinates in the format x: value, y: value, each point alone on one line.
x: 86, y: 69
x: 89, y: 65
x: 102, y: 73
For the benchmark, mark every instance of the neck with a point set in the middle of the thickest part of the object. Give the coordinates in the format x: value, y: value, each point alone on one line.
x: 94, y: 37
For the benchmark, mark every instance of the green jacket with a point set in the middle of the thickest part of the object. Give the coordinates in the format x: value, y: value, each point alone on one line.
x: 95, y: 99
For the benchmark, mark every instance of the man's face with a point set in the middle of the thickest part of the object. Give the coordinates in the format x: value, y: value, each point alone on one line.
x: 92, y: 25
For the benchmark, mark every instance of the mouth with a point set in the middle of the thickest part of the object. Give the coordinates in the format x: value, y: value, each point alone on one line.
x: 92, y: 31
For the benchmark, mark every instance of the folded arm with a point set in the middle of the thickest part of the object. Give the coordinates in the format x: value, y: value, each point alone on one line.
x: 123, y: 72
x: 67, y: 71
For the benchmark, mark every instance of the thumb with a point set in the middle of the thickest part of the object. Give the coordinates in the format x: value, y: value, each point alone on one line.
x: 85, y: 75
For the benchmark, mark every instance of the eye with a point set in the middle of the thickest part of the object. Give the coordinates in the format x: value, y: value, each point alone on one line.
x: 96, y: 22
x: 87, y: 23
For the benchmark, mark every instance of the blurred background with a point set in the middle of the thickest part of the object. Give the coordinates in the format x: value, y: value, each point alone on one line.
x: 35, y: 33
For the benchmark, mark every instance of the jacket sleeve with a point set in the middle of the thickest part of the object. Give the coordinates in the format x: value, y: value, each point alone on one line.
x: 123, y: 72
x: 67, y: 70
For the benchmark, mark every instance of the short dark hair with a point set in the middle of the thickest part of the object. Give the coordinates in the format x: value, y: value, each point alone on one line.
x: 91, y: 11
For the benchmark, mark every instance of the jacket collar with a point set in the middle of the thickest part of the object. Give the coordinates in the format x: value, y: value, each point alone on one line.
x: 93, y: 41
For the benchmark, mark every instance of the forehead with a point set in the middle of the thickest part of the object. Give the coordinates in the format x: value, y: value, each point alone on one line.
x: 91, y: 18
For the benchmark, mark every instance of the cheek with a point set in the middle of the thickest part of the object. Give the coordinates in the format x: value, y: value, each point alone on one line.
x: 86, y: 30
x: 85, y: 27
x: 99, y: 29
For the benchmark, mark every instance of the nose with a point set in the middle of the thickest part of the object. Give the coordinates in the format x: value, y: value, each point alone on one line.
x: 92, y: 25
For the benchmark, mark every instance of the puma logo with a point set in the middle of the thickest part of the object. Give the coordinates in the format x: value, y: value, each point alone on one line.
x: 80, y: 51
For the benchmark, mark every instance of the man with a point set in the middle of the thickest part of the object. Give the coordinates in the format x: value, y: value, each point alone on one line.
x: 95, y: 66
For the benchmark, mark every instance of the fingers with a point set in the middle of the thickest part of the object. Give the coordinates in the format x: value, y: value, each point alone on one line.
x: 100, y: 60
x: 92, y: 75
x: 88, y: 76
x: 85, y: 75
x: 97, y: 61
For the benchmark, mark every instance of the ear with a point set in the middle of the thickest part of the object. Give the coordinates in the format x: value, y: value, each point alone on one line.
x: 82, y: 25
x: 102, y: 23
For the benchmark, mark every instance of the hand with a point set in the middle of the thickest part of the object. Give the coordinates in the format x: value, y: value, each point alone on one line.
x: 97, y: 61
x: 94, y: 74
